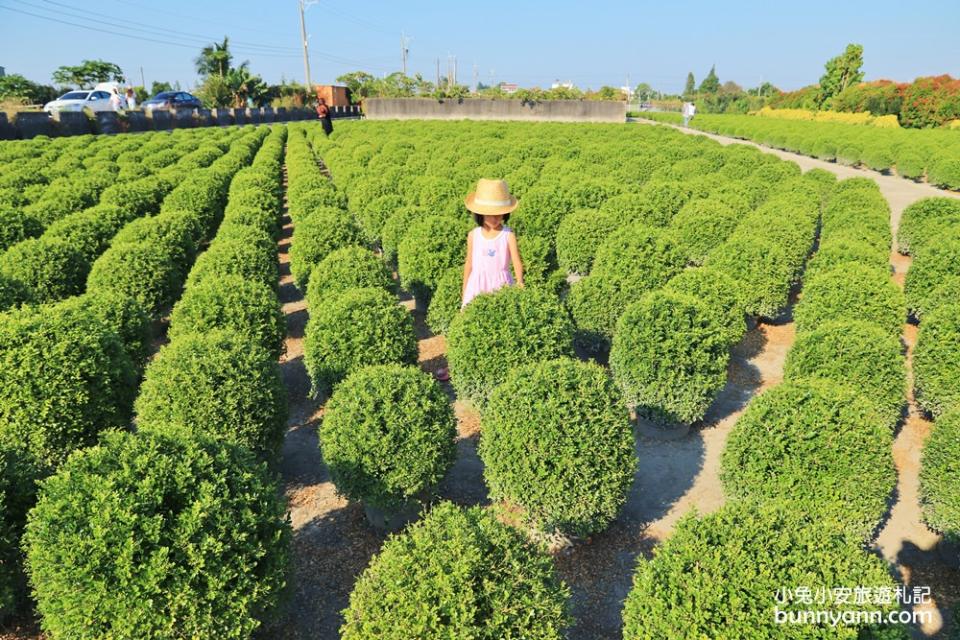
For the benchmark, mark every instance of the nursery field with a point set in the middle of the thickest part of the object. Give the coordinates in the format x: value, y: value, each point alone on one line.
x: 218, y: 419
x: 931, y: 155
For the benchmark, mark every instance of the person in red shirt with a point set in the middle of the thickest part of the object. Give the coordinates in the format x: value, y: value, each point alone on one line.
x: 323, y: 112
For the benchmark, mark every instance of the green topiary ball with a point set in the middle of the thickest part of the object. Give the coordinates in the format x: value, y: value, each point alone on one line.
x: 630, y: 263
x: 247, y: 307
x: 920, y: 222
x: 235, y: 258
x: 540, y: 212
x: 141, y: 271
x: 499, y: 331
x: 558, y: 442
x: 395, y: 229
x: 940, y: 478
x: 348, y: 268
x: 152, y: 536
x: 356, y: 328
x: 936, y: 361
x: 720, y: 576
x: 86, y: 231
x: 661, y: 200
x: 64, y: 378
x: 125, y: 316
x: 701, y: 226
x: 18, y: 491
x: 374, y: 215
x: 579, y: 236
x: 458, y: 573
x: 852, y: 291
x: 388, y: 436
x: 221, y: 384
x: 13, y: 293
x: 446, y: 300
x: 15, y: 226
x: 316, y: 236
x: 937, y: 262
x: 820, y: 444
x: 430, y: 246
x: 844, y: 248
x: 854, y: 351
x: 50, y: 268
x: 719, y: 293
x: 669, y: 356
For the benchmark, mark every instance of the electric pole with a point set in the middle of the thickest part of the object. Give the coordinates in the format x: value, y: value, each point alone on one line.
x: 306, y: 56
x: 404, y: 51
x: 438, y: 73
x: 143, y: 83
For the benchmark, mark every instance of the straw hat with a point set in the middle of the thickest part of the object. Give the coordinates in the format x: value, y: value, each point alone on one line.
x: 492, y: 198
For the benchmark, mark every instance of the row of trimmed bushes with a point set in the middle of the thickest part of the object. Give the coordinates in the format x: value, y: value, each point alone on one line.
x: 71, y: 373
x: 930, y: 233
x: 933, y: 155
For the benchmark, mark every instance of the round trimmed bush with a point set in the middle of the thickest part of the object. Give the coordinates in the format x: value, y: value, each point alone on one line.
x: 762, y: 270
x: 395, y: 228
x: 353, y: 329
x: 388, y: 436
x: 18, y: 476
x: 502, y: 330
x: 446, y: 300
x: 945, y: 173
x: 878, y: 157
x: 719, y: 293
x: 124, y: 315
x: 248, y: 307
x: 633, y: 261
x: 558, y: 442
x: 661, y: 200
x: 348, y: 268
x: 15, y: 226
x: 579, y: 236
x: 12, y: 293
x: 940, y: 478
x: 136, y: 537
x: 50, y: 268
x: 719, y: 577
x: 458, y: 573
x: 249, y: 234
x: 936, y: 361
x: 141, y: 271
x: 315, y: 236
x: 935, y: 264
x: 64, y: 378
x: 843, y: 248
x: 88, y: 232
x: 854, y: 350
x: 220, y: 384
x: 921, y: 221
x: 701, y: 226
x: 374, y: 215
x: 235, y: 258
x: 852, y: 291
x: 669, y: 356
x: 431, y: 245
x: 541, y: 211
x: 819, y: 444
x: 910, y: 164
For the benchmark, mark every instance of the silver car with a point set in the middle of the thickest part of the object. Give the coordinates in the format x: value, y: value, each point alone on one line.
x: 80, y: 100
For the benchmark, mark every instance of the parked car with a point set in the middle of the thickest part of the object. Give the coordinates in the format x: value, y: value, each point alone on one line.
x: 166, y: 100
x: 80, y: 100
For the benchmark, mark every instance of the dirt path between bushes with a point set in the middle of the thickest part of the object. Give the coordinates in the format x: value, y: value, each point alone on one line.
x: 904, y: 540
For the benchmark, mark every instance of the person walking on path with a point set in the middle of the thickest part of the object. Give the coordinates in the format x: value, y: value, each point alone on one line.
x: 688, y: 110
x: 116, y: 102
x: 323, y: 112
x: 131, y: 99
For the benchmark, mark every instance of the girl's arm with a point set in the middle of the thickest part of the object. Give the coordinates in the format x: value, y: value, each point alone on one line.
x: 515, y: 257
x: 468, y: 266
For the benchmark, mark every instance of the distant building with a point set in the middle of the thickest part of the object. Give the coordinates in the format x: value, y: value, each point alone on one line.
x: 509, y: 87
x: 2, y: 72
x: 627, y: 91
x: 334, y: 95
x: 562, y: 85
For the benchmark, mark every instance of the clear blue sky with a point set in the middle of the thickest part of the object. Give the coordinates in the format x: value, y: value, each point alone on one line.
x: 531, y: 43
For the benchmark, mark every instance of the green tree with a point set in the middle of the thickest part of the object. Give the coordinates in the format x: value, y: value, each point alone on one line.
x: 710, y: 84
x: 242, y: 84
x: 360, y: 84
x: 644, y: 92
x: 690, y: 88
x: 88, y: 73
x: 841, y: 72
x: 160, y: 87
x: 214, y: 58
x: 16, y: 87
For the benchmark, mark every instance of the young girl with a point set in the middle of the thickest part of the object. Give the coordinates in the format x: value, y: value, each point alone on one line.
x: 491, y: 247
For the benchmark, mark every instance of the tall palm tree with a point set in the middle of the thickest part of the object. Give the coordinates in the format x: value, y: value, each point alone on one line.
x: 214, y: 58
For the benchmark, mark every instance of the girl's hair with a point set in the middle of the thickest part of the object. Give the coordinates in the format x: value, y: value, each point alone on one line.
x: 478, y: 217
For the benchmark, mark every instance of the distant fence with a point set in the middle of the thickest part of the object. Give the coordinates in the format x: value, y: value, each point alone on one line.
x: 29, y: 124
x: 477, y: 109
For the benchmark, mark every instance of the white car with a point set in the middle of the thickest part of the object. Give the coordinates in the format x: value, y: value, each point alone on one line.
x: 80, y: 100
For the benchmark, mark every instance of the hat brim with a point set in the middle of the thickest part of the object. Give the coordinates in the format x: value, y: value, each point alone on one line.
x: 488, y: 210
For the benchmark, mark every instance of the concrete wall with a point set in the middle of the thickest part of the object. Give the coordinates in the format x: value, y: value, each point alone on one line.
x: 475, y: 109
x: 27, y: 124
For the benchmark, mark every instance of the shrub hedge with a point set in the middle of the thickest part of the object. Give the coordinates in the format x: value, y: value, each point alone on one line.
x: 701, y: 226
x: 940, y: 477
x: 762, y: 270
x: 499, y: 331
x: 669, y: 356
x: 458, y: 573
x: 64, y: 378
x: 932, y: 266
x: 558, y: 442
x: 141, y: 271
x: 356, y: 328
x: 580, y: 235
x: 388, y: 435
x: 315, y: 236
x: 137, y: 536
x: 18, y: 477
x: 852, y: 291
x: 235, y: 258
x: 719, y: 293
x: 50, y: 268
x: 720, y: 576
x: 820, y: 444
x: 936, y: 361
x: 921, y: 221
x: 430, y: 246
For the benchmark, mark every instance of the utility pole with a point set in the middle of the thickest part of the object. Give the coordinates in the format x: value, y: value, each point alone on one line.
x: 306, y: 56
x: 404, y: 51
x: 476, y: 77
x: 438, y: 73
x: 454, y: 69
x: 143, y: 83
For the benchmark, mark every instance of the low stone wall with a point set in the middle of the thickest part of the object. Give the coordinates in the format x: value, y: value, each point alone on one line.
x: 28, y: 124
x: 476, y: 109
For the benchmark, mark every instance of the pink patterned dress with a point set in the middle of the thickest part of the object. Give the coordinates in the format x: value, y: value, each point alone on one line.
x: 490, y: 266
